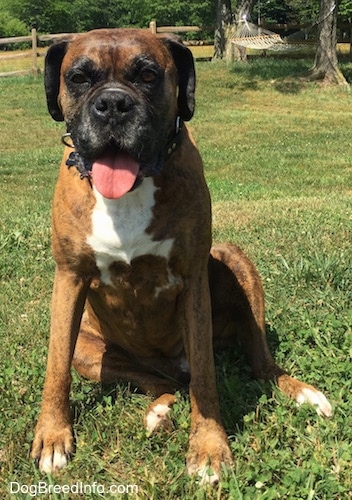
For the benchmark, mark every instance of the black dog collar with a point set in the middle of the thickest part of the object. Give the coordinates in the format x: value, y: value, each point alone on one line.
x: 84, y: 167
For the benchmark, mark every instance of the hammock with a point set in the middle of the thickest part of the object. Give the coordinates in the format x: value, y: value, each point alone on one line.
x: 252, y: 36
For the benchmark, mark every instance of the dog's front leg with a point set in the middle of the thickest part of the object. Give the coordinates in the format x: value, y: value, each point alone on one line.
x: 208, y: 445
x: 53, y: 441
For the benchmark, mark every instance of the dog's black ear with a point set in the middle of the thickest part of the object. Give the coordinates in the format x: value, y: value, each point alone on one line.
x: 53, y: 61
x: 184, y: 62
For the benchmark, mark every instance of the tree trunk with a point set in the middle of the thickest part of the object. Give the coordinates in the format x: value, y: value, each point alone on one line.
x: 235, y: 52
x: 223, y: 20
x: 326, y: 64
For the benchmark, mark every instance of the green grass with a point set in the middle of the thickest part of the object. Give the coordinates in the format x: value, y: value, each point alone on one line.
x: 278, y: 162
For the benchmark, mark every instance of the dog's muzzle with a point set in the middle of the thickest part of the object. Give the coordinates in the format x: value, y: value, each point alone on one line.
x: 84, y: 166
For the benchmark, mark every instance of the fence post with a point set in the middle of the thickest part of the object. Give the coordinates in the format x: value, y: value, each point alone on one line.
x: 34, y: 52
x: 152, y: 27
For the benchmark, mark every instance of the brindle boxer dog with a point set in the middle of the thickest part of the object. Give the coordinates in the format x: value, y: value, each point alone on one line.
x: 137, y: 296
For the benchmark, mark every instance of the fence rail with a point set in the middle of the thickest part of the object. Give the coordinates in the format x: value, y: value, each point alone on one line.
x: 171, y: 29
x: 15, y: 39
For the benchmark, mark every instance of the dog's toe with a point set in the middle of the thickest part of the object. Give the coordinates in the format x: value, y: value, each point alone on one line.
x: 315, y: 398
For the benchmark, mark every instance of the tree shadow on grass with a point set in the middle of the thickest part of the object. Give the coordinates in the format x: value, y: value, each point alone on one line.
x: 290, y: 86
x: 285, y: 74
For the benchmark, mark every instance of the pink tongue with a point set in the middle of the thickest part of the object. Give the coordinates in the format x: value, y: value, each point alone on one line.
x: 114, y: 175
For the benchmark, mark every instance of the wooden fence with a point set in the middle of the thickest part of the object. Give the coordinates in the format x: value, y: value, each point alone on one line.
x: 34, y: 38
x: 21, y: 39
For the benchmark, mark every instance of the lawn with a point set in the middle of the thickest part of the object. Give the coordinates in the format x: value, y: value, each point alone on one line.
x: 278, y: 155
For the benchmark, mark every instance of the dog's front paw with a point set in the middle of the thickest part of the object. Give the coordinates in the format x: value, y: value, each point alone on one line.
x: 52, y: 447
x: 209, y: 451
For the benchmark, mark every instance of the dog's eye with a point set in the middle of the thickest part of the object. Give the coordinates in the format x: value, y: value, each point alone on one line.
x: 148, y: 75
x: 79, y: 78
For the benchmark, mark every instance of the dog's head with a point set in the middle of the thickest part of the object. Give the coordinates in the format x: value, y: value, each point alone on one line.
x: 120, y: 92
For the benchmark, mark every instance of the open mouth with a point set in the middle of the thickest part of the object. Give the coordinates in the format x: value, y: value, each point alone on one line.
x: 115, y: 174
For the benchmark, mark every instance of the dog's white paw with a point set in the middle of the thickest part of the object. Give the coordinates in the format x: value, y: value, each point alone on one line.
x: 209, y: 452
x: 207, y: 475
x: 315, y: 398
x: 53, y: 445
x: 157, y: 415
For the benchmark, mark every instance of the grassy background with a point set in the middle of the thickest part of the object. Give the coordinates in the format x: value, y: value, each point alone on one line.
x: 278, y: 162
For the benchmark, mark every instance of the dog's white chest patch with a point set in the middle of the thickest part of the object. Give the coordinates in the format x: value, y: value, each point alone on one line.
x: 119, y: 229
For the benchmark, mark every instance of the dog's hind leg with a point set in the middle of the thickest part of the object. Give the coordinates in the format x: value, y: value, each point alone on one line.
x: 112, y: 367
x: 96, y: 360
x: 238, y: 313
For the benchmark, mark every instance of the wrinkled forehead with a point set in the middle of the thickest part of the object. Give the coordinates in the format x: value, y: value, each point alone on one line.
x: 117, y: 48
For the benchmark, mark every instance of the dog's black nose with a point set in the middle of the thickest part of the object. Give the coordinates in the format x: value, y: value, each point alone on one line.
x: 112, y: 104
